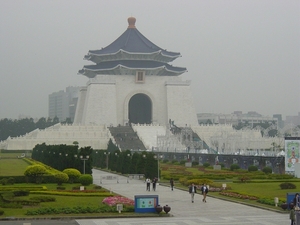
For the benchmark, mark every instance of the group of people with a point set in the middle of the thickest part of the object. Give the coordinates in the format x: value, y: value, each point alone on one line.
x: 193, y: 191
x: 192, y: 188
x: 148, y: 183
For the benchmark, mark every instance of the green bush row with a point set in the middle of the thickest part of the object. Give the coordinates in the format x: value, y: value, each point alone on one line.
x: 77, y: 210
x: 71, y: 193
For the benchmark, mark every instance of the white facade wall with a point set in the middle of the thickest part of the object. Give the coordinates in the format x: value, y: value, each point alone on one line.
x: 100, y: 102
x: 180, y: 103
x: 107, y: 99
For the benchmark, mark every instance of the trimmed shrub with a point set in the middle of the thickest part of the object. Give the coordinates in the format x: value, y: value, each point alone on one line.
x: 61, y: 178
x: 72, y: 173
x: 21, y: 193
x: 234, y: 167
x: 195, y: 163
x: 252, y: 168
x: 287, y: 185
x: 222, y: 165
x: 43, y: 199
x: 206, y: 164
x: 60, y: 188
x: 4, y: 181
x: 267, y: 170
x: 1, y: 212
x: 174, y: 161
x: 86, y: 179
x: 182, y: 162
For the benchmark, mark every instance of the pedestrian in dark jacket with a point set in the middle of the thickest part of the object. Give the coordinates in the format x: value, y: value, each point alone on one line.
x: 154, y: 181
x: 204, y: 191
x: 172, y: 183
x: 192, y: 191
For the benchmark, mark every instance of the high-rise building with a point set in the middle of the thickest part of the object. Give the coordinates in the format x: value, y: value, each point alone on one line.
x: 62, y: 104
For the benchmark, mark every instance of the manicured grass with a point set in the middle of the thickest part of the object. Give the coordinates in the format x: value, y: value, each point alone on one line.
x: 268, y: 189
x: 263, y: 190
x: 12, y: 167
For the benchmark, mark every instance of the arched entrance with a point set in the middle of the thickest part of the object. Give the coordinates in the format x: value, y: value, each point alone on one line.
x: 140, y: 109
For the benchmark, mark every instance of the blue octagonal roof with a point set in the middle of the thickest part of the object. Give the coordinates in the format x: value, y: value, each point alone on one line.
x: 131, y: 42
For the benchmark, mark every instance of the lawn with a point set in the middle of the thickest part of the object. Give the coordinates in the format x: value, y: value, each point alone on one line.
x: 12, y: 167
x: 260, y: 188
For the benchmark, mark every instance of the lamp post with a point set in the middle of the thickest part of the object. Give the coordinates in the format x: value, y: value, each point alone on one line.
x: 157, y: 157
x: 106, y: 153
x: 83, y: 159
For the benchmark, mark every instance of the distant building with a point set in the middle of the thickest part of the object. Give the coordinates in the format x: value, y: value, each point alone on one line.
x: 279, y: 119
x: 235, y: 118
x: 295, y: 120
x: 62, y: 104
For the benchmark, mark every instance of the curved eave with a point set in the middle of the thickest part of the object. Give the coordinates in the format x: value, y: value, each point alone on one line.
x: 159, y: 56
x: 125, y: 70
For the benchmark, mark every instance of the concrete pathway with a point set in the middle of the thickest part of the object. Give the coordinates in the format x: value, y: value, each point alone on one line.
x: 214, y: 211
x: 183, y: 211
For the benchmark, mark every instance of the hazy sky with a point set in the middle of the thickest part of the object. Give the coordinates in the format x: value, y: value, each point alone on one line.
x: 240, y: 54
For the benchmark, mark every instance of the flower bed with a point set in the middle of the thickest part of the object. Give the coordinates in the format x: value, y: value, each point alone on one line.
x: 114, y: 200
x: 237, y: 195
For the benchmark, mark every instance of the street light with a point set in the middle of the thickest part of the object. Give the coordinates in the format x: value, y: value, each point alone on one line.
x: 84, y: 159
x: 107, y: 154
x: 157, y: 157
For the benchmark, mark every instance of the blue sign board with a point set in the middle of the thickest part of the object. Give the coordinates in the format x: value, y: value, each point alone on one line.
x: 289, y: 198
x: 145, y: 203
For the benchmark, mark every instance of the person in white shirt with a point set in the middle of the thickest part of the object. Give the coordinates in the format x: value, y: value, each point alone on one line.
x: 148, y: 182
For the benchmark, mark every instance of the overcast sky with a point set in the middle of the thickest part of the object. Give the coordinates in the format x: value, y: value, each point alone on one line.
x: 240, y: 54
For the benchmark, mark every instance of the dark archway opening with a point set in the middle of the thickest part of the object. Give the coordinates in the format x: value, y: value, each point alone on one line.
x: 140, y: 109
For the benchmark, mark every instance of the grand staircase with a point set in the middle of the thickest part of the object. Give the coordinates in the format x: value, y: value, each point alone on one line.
x: 126, y: 138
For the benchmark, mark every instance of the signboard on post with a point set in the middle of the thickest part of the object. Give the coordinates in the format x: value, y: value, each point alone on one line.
x: 145, y: 203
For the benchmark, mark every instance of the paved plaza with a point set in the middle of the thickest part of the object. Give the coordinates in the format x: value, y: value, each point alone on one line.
x: 183, y: 211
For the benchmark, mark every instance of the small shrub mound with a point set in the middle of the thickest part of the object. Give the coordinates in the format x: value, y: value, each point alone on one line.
x: 267, y: 170
x: 287, y: 185
x: 21, y: 193
x: 206, y: 164
x: 234, y: 167
x: 60, y: 188
x: 252, y: 168
x: 43, y: 199
x: 1, y: 212
x: 86, y: 179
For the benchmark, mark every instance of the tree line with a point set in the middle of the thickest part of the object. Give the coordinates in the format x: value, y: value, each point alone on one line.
x: 15, y: 128
x: 62, y: 156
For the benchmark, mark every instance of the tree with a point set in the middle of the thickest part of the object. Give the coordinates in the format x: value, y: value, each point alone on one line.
x: 111, y: 147
x: 36, y: 171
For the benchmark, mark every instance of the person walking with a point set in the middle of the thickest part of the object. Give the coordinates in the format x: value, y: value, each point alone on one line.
x: 293, y: 216
x: 148, y: 182
x: 192, y: 191
x: 296, y: 201
x: 172, y: 183
x: 204, y: 191
x: 154, y: 181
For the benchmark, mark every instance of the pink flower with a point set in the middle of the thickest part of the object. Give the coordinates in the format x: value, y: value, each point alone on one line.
x: 112, y: 201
